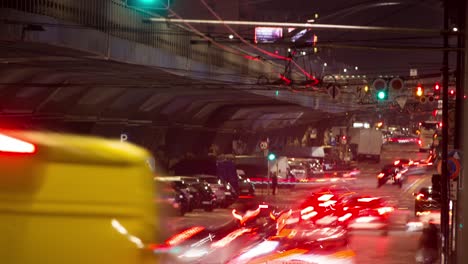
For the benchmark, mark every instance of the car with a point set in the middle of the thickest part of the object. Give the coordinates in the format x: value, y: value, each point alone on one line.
x: 70, y: 193
x: 208, y: 199
x: 366, y: 212
x: 322, y: 206
x: 391, y: 173
x: 191, y: 194
x: 223, y: 190
x: 403, y: 139
x: 426, y: 200
x: 246, y: 188
x: 173, y: 201
x: 201, y: 194
x: 199, y: 244
x: 299, y: 241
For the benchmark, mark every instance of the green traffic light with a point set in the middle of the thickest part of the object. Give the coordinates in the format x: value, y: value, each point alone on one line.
x: 148, y: 4
x: 271, y: 156
x: 381, y: 95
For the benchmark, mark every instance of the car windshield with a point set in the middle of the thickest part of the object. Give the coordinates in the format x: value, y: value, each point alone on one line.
x: 210, y: 180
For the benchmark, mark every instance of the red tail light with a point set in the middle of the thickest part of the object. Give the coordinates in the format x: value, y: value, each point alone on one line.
x: 419, y: 196
x: 184, y: 235
x: 13, y: 145
x: 419, y: 142
x: 381, y: 175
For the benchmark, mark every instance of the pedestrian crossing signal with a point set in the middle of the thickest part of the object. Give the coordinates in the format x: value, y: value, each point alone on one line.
x: 271, y: 156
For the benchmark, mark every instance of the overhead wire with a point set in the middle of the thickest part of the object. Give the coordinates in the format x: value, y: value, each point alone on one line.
x: 255, y: 47
x: 204, y: 36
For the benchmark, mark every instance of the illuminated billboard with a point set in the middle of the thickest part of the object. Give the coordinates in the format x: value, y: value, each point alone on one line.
x: 268, y: 34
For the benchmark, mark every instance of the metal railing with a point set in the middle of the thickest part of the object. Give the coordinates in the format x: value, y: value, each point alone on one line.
x: 117, y: 19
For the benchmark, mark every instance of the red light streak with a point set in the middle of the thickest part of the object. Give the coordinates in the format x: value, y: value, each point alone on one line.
x: 230, y: 237
x: 184, y: 235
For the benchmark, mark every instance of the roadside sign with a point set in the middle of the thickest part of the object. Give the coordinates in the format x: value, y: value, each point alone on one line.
x: 413, y: 72
x: 123, y: 137
x: 263, y: 145
x: 453, y: 166
x: 401, y: 101
x: 453, y: 190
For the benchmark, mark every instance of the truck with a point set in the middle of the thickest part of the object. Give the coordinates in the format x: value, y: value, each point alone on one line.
x: 369, y: 143
x: 427, y: 129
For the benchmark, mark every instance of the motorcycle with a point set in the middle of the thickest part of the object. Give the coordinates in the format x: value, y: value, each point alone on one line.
x: 390, y: 173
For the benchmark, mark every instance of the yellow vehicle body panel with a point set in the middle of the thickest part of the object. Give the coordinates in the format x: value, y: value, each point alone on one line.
x: 76, y: 200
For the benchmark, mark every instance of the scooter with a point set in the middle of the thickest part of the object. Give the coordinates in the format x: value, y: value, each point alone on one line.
x: 396, y: 177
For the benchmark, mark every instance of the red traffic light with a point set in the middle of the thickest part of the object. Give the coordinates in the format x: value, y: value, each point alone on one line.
x: 437, y: 87
x: 419, y: 91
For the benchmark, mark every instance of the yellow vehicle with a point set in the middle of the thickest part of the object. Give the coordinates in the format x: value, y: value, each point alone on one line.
x: 74, y: 199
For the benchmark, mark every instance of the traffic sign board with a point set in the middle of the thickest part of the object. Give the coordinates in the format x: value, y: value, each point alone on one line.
x: 453, y: 166
x: 401, y: 101
x: 263, y: 145
x: 453, y: 190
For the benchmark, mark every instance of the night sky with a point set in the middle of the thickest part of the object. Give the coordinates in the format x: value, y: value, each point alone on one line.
x: 414, y: 14
x: 394, y: 59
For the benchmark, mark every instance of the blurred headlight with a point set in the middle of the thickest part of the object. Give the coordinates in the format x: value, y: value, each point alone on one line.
x: 194, y: 253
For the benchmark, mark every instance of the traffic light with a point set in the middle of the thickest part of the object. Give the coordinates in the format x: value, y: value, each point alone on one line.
x: 419, y: 92
x: 271, y: 156
x: 149, y: 4
x: 452, y: 94
x: 436, y: 89
x: 344, y: 140
x: 382, y: 95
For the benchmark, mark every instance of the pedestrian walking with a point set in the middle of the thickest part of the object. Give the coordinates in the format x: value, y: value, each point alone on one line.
x: 274, y: 182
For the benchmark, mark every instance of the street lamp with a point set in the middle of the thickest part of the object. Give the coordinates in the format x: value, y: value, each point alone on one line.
x: 345, y: 70
x: 231, y: 36
x: 325, y: 64
x: 356, y: 68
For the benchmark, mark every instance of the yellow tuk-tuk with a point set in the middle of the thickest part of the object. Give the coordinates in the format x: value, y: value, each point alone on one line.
x: 75, y: 199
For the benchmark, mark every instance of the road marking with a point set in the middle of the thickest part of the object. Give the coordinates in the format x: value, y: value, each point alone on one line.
x: 415, y: 183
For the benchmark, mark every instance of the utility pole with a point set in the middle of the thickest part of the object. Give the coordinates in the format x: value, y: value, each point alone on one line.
x: 444, y: 224
x: 458, y: 132
x: 462, y: 209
